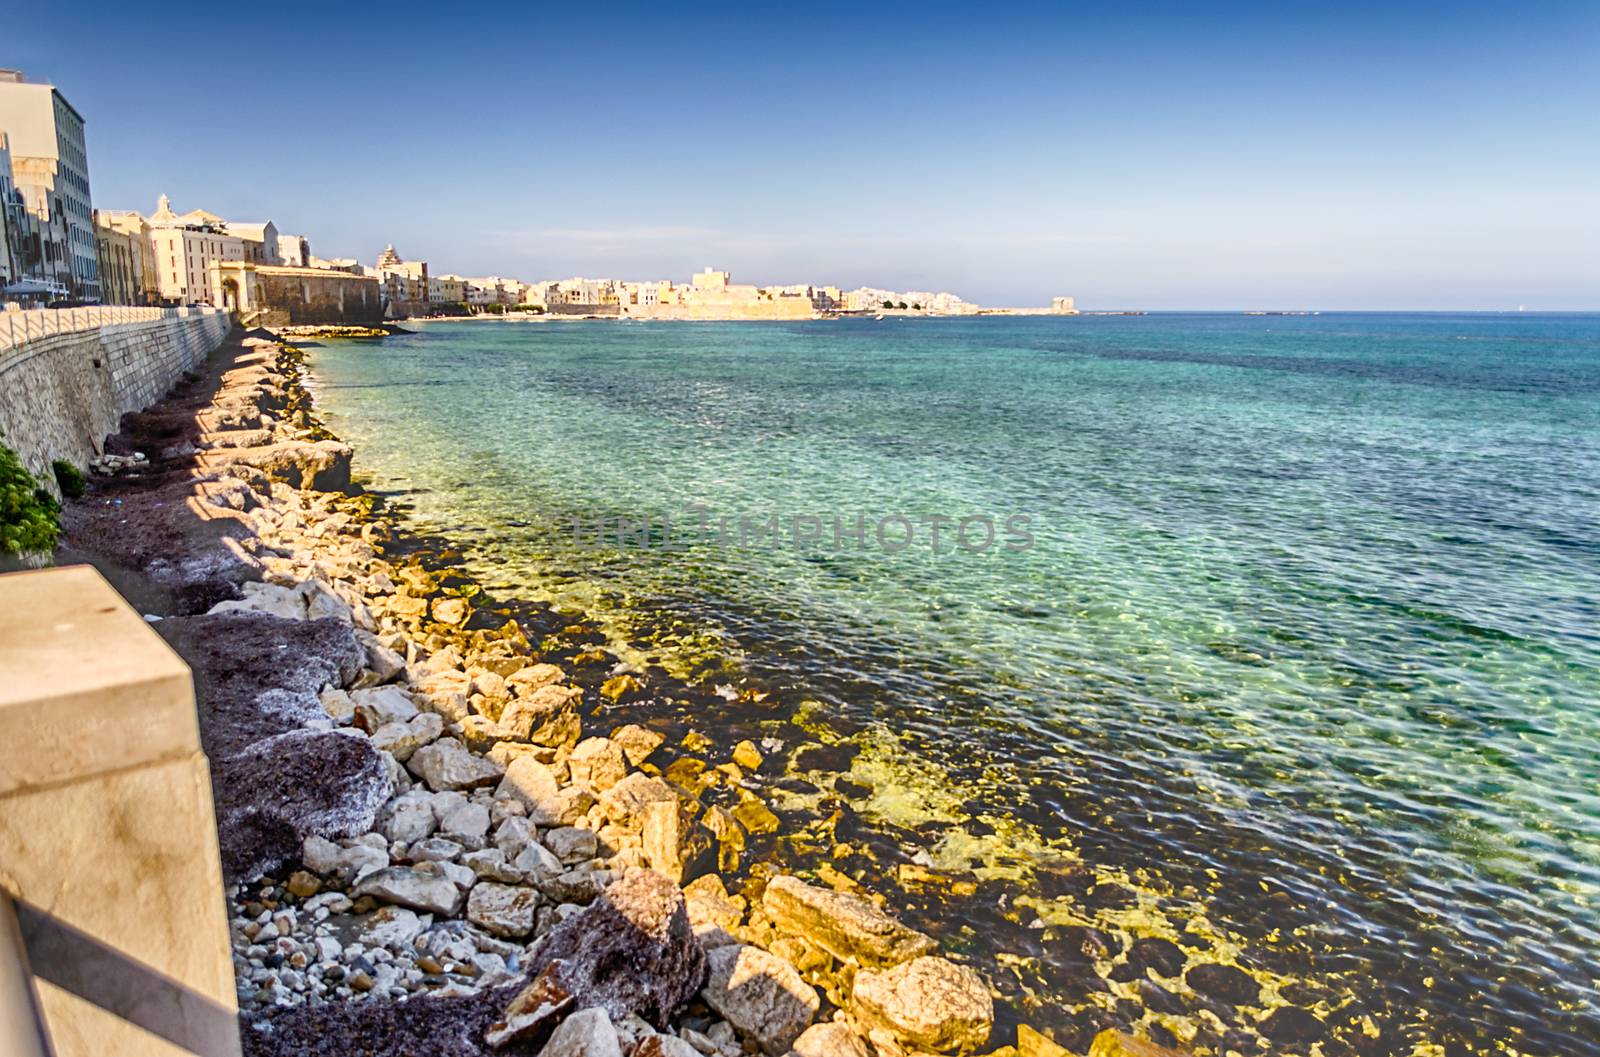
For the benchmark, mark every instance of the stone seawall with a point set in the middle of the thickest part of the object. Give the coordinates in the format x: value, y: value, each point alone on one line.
x: 61, y: 395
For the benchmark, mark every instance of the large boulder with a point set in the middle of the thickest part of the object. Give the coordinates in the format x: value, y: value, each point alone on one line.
x: 630, y: 952
x: 281, y: 790
x: 931, y: 1003
x: 322, y: 465
x: 849, y: 927
x: 761, y: 995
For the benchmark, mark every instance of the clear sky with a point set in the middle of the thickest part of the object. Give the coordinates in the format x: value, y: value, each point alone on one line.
x: 1183, y: 155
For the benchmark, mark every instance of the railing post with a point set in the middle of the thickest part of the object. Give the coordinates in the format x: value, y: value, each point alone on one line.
x: 22, y: 1030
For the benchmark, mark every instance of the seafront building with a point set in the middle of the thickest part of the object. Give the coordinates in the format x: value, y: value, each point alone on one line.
x: 19, y: 233
x: 184, y: 247
x: 294, y: 251
x: 404, y: 283
x: 136, y: 229
x: 260, y: 239
x: 50, y: 166
x: 120, y: 263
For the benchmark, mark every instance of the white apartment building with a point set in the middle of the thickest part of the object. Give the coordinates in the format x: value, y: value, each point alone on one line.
x: 50, y: 164
x: 294, y: 250
x: 260, y: 240
x: 483, y: 291
x: 183, y: 248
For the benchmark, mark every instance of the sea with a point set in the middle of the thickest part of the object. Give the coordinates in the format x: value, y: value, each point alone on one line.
x: 1108, y: 648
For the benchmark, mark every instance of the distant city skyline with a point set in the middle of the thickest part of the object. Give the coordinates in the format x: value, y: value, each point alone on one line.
x: 1159, y: 157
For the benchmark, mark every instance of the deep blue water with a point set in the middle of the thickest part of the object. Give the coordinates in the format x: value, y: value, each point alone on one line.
x: 1304, y: 650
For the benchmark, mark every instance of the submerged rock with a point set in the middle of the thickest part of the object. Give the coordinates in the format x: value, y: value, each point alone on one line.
x: 929, y: 1002
x: 849, y: 927
x: 761, y: 995
x: 1225, y: 983
x: 1113, y: 1043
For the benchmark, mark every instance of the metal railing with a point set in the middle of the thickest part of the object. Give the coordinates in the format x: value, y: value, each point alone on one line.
x: 17, y: 328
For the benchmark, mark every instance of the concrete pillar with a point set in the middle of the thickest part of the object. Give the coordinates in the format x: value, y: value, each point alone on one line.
x: 107, y: 836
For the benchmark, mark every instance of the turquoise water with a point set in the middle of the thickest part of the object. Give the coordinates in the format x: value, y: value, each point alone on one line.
x: 1305, y: 647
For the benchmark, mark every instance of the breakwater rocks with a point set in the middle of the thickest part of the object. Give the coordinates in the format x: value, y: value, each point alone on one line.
x: 432, y: 845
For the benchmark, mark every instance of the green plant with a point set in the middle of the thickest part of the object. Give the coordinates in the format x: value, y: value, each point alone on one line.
x: 69, y: 479
x: 29, y: 516
x: 888, y: 304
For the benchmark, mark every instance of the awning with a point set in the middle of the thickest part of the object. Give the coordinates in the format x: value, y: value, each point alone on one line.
x: 32, y: 288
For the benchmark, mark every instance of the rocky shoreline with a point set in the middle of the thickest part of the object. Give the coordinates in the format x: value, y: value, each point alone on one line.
x: 434, y: 841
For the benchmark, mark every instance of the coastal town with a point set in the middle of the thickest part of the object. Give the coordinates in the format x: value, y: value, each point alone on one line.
x: 59, y: 248
x: 317, y: 792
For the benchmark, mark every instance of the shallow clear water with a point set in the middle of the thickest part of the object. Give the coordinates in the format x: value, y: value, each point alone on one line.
x: 1307, y: 639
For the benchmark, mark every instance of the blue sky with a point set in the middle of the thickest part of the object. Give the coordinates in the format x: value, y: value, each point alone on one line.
x: 1134, y: 155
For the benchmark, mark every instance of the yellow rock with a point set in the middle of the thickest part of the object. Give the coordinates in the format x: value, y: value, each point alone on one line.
x: 754, y: 816
x: 839, y: 882
x: 304, y: 884
x: 1113, y: 1043
x: 620, y: 686
x: 911, y: 875
x: 685, y: 772
x: 746, y: 755
x: 1032, y: 1043
x: 695, y: 741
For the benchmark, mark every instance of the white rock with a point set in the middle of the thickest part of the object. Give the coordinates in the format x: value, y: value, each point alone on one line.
x: 760, y: 994
x: 410, y: 818
x: 503, y: 910
x: 320, y: 855
x: 490, y: 865
x: 424, y: 887
x: 446, y: 764
x: 534, y: 784
x: 322, y: 603
x: 380, y: 705
x: 469, y: 820
x: 265, y: 598
x: 401, y: 740
x: 339, y: 705
x: 571, y: 844
x: 832, y: 1039
x: 586, y: 1033
x: 537, y: 863
x: 389, y: 927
